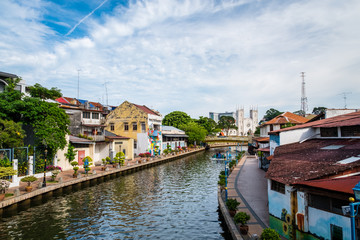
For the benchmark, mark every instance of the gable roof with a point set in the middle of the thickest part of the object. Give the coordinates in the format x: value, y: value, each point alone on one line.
x: 350, y: 119
x: 314, y: 159
x: 287, y: 117
x: 146, y: 109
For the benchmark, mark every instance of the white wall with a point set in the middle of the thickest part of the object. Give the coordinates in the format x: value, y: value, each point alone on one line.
x: 336, y: 112
x: 142, y: 143
x: 296, y: 135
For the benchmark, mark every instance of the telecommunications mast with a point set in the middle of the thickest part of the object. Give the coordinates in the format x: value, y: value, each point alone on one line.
x: 304, y: 106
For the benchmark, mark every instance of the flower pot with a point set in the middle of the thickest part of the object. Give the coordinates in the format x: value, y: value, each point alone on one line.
x: 28, y: 188
x: 103, y: 168
x: 2, y: 196
x: 244, y: 229
x: 75, y: 175
x: 232, y: 213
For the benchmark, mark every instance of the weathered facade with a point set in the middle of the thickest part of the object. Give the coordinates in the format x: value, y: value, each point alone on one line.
x: 136, y: 122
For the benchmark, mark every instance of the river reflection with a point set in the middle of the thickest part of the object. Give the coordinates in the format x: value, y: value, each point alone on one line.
x: 175, y: 200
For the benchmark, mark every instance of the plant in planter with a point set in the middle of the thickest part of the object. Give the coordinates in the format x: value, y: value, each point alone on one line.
x: 75, y: 168
x: 55, y: 170
x: 71, y: 153
x: 4, y: 184
x: 232, y: 205
x: 120, y: 158
x: 242, y: 218
x: 269, y: 234
x: 29, y: 180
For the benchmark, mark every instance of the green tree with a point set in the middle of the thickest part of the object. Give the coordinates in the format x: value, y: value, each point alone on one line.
x: 41, y: 92
x: 11, y: 134
x: 318, y: 110
x: 271, y: 113
x: 195, y: 132
x: 49, y: 122
x: 209, y: 124
x: 71, y: 153
x: 227, y: 123
x: 176, y: 119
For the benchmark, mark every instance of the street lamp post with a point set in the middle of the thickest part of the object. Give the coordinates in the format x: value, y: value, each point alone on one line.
x: 44, y: 180
x: 354, y: 209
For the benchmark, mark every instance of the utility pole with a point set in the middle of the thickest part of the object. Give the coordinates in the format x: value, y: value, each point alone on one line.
x: 345, y: 97
x: 304, y: 106
x: 78, y: 83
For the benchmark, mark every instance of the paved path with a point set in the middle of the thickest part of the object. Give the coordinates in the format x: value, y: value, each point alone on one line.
x: 248, y: 185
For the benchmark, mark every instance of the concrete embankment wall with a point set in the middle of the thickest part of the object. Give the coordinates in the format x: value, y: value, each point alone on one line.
x: 12, y: 205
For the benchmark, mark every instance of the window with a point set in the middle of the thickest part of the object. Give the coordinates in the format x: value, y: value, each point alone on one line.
x: 336, y: 232
x: 134, y: 126
x: 126, y: 127
x: 278, y: 187
x: 329, y: 132
x: 112, y: 127
x: 326, y: 203
x: 135, y: 144
x: 95, y: 115
x: 271, y: 128
x: 350, y: 131
x: 86, y: 115
x: 143, y: 127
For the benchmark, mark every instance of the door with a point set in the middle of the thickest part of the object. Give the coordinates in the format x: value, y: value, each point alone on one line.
x: 81, y: 156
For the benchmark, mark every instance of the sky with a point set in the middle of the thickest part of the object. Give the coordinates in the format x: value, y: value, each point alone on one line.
x: 195, y: 56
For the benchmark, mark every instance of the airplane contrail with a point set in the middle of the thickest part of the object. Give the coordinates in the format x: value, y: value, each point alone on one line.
x: 84, y: 18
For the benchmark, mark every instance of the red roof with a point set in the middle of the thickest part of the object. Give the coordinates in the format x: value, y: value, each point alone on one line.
x: 62, y: 100
x: 147, y: 110
x: 345, y: 184
x: 309, y: 160
x: 287, y: 117
x: 264, y: 149
x: 262, y: 139
x: 350, y: 119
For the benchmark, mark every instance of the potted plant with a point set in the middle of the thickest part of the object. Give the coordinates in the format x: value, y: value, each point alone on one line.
x: 29, y: 180
x: 269, y: 234
x: 55, y: 170
x: 75, y: 168
x: 232, y: 205
x: 242, y: 218
x: 4, y: 184
x: 119, y: 159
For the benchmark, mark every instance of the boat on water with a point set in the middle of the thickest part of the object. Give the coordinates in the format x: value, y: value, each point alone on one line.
x: 220, y: 157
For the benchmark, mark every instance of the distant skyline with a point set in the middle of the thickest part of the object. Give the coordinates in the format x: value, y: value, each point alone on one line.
x: 196, y: 56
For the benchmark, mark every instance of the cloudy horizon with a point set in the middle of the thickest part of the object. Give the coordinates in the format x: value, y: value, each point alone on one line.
x: 196, y: 56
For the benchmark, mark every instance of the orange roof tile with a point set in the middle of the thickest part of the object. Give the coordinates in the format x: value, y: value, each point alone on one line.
x: 146, y: 109
x: 287, y: 117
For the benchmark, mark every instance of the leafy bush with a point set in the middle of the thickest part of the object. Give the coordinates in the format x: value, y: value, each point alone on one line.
x: 232, y: 204
x: 29, y: 179
x: 242, y: 218
x: 221, y: 182
x: 269, y: 234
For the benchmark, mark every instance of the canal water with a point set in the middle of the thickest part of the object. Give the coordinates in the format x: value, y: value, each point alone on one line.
x: 175, y: 200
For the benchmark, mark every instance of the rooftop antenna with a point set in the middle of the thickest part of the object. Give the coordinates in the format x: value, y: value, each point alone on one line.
x: 345, y: 97
x: 78, y: 83
x: 304, y: 106
x: 106, y: 92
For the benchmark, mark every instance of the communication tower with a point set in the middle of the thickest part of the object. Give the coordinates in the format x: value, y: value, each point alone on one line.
x: 304, y: 106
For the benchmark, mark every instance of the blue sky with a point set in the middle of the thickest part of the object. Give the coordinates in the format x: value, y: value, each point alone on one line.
x: 194, y: 56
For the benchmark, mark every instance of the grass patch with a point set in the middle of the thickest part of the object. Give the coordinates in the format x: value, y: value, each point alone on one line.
x: 49, y: 181
x: 9, y: 194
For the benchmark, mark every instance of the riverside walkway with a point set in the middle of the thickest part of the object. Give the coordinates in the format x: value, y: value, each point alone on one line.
x: 247, y: 184
x: 22, y: 200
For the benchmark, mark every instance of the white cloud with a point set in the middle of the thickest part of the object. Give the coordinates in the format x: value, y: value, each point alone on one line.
x: 195, y: 56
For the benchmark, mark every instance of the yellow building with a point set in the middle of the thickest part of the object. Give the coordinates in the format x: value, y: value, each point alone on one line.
x: 137, y: 122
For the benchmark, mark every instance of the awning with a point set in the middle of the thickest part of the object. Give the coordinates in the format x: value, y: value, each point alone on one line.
x: 264, y: 149
x: 78, y: 140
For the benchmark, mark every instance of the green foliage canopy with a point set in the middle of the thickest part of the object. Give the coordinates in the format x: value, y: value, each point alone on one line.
x: 227, y: 123
x: 271, y: 113
x: 318, y: 110
x: 11, y: 134
x: 176, y: 119
x: 71, y: 153
x: 38, y: 91
x: 209, y: 124
x: 49, y: 122
x: 195, y: 132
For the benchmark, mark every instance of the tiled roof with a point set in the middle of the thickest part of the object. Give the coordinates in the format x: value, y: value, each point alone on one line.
x: 344, y: 184
x: 350, y: 119
x: 262, y: 139
x: 111, y: 135
x: 74, y: 139
x: 298, y: 162
x: 146, y: 109
x: 287, y: 117
x: 62, y: 100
